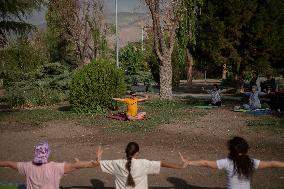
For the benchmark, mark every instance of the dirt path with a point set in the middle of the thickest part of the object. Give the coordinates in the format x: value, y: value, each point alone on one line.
x: 203, y: 138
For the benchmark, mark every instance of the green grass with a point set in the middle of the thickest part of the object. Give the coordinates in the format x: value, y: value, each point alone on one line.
x: 268, y: 122
x: 158, y: 113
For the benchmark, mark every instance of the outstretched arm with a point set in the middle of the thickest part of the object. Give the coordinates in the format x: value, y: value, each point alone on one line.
x: 9, y: 164
x: 118, y: 99
x: 203, y: 163
x: 143, y: 99
x: 69, y: 167
x: 173, y: 165
x: 270, y: 164
x: 200, y: 163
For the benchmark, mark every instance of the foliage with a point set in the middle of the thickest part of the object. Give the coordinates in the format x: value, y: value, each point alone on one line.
x: 76, y: 31
x: 186, y: 32
x: 245, y: 35
x: 18, y: 59
x: 154, y: 63
x: 47, y: 85
x: 12, y: 13
x: 60, y: 46
x: 132, y: 60
x: 94, y: 85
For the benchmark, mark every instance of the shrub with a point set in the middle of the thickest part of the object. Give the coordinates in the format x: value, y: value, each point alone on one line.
x: 19, y: 58
x: 21, y: 97
x: 47, y: 85
x: 94, y: 85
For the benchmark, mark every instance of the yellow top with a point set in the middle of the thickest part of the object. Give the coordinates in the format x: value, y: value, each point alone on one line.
x: 132, y: 106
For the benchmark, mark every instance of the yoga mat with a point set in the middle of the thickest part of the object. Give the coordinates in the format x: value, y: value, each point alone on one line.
x: 259, y: 113
x: 119, y: 117
x: 205, y: 107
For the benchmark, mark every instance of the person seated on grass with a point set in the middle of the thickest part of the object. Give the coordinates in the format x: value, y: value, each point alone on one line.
x: 42, y: 174
x: 254, y: 102
x: 280, y: 99
x: 216, y: 95
x: 132, y: 172
x: 132, y: 106
x: 238, y: 166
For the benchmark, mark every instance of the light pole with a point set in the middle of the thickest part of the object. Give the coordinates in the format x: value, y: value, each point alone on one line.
x: 142, y: 37
x: 116, y: 33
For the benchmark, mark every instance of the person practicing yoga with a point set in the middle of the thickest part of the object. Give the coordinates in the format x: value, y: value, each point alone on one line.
x: 42, y: 174
x: 132, y: 172
x: 254, y: 102
x: 238, y: 166
x: 216, y: 95
x: 132, y: 106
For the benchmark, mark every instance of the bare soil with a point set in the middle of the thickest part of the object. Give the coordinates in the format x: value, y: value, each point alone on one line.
x: 204, y: 138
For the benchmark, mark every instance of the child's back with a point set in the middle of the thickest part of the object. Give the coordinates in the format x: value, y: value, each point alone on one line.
x: 45, y: 176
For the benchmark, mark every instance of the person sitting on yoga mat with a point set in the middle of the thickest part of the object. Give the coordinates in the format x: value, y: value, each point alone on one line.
x: 238, y: 166
x: 132, y: 106
x: 254, y: 102
x: 215, y: 95
x: 40, y: 173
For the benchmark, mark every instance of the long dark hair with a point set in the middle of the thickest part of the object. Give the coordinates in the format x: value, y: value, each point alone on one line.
x: 131, y: 149
x: 243, y: 164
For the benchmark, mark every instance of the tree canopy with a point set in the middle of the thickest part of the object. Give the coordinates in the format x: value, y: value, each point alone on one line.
x: 12, y: 14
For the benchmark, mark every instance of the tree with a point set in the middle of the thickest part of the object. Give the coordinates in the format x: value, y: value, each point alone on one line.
x: 165, y: 23
x: 83, y: 25
x: 60, y: 46
x: 241, y: 35
x: 12, y: 17
x: 186, y: 33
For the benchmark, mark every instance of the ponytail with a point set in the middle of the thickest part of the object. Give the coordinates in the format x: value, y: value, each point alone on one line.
x: 131, y: 149
x: 243, y: 164
x: 130, y: 181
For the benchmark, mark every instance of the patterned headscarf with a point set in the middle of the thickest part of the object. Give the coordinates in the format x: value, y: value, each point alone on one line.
x: 42, y: 152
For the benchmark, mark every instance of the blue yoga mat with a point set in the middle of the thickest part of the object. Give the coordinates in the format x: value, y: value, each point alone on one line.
x: 260, y: 113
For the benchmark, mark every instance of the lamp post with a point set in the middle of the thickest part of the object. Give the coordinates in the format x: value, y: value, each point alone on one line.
x: 116, y: 33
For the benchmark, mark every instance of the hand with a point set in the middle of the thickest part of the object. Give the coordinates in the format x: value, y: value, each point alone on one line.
x: 185, y: 162
x: 76, y: 160
x: 99, y: 153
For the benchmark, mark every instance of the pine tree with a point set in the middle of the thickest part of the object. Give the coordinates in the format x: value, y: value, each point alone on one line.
x: 12, y: 14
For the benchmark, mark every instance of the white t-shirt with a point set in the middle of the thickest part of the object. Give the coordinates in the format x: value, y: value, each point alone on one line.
x: 140, y: 168
x: 233, y: 180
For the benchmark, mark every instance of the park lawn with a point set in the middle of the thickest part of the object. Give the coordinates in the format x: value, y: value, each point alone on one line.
x: 158, y: 113
x: 269, y: 122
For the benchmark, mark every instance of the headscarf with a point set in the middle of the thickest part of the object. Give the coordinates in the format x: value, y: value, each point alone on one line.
x: 42, y: 152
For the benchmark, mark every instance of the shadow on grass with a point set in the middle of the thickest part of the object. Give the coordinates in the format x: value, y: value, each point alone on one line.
x: 177, y: 183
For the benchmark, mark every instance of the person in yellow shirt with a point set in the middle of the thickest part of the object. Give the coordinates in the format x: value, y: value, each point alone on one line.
x: 132, y: 106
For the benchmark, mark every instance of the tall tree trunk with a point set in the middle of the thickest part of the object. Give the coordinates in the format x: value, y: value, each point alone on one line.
x: 166, y: 78
x: 189, y: 67
x: 224, y: 72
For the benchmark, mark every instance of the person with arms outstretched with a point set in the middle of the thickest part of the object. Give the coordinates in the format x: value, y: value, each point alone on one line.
x: 132, y: 106
x: 42, y: 174
x: 132, y: 172
x: 238, y: 166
